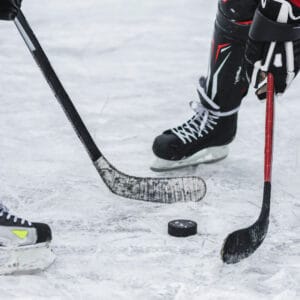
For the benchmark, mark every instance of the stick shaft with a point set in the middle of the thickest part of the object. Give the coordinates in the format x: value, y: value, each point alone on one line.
x: 57, y: 87
x: 269, y: 128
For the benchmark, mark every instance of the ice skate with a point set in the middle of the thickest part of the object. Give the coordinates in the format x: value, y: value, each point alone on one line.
x: 202, y: 139
x: 24, y: 246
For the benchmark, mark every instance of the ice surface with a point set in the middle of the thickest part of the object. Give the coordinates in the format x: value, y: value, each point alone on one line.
x: 131, y: 68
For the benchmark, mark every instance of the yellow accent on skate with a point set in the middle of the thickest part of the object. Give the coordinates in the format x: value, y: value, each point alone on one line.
x: 21, y: 234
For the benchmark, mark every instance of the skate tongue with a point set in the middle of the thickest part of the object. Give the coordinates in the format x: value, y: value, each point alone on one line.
x: 197, y: 107
x: 200, y: 110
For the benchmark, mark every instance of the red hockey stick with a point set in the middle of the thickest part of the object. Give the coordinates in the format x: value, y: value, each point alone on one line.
x: 244, y: 242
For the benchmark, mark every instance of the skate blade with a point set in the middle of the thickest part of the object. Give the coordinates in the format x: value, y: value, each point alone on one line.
x: 25, y: 259
x: 208, y: 155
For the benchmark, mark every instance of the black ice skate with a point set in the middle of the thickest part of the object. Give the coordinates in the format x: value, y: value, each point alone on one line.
x: 202, y: 139
x: 24, y: 246
x: 206, y: 136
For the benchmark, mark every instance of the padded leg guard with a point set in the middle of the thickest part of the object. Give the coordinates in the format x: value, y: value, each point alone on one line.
x: 226, y: 82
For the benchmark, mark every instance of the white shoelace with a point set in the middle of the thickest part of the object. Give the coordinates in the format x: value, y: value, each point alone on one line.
x: 200, y: 124
x: 4, y: 210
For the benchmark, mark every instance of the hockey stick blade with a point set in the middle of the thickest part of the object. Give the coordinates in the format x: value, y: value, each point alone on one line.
x: 162, y: 190
x: 244, y: 242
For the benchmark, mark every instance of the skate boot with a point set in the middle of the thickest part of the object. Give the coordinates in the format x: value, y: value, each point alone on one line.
x: 24, y: 246
x: 202, y: 139
x: 206, y: 136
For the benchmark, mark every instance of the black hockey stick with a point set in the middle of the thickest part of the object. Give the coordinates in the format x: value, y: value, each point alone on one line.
x: 244, y: 242
x: 164, y: 190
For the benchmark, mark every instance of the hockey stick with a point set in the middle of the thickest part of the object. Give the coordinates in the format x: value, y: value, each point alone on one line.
x: 244, y: 242
x: 164, y: 190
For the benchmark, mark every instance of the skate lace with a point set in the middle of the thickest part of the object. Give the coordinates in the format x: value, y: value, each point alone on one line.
x: 199, y: 125
x: 5, y: 212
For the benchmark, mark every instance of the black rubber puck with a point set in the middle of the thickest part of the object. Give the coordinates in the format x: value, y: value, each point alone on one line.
x: 182, y: 228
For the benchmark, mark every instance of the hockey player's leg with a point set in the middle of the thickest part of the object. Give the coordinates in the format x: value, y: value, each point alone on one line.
x: 205, y: 137
x: 24, y: 246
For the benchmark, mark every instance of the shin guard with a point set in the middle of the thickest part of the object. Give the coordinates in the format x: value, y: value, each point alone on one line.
x: 226, y: 83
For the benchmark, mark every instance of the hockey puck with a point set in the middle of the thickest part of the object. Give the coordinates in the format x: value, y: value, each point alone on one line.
x: 182, y: 228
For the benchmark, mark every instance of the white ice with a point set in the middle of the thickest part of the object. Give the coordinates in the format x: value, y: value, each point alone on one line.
x: 131, y: 68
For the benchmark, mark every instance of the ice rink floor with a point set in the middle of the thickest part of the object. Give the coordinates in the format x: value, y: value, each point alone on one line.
x: 131, y: 68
